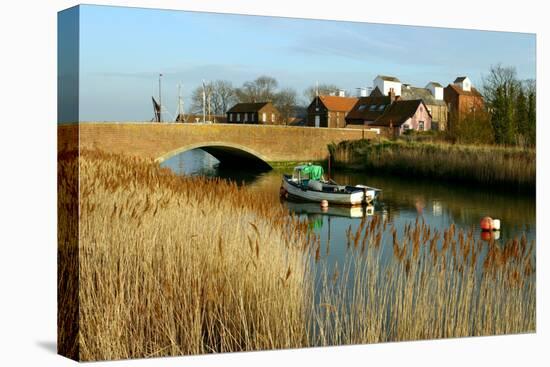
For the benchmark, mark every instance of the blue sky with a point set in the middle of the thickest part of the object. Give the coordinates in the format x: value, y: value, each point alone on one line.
x: 122, y: 51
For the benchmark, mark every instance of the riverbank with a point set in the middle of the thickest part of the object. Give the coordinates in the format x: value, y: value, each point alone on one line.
x: 507, y: 167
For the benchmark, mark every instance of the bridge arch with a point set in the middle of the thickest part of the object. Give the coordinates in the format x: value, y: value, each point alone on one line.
x: 227, y: 153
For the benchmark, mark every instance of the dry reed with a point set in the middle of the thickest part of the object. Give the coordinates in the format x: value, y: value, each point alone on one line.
x: 169, y: 265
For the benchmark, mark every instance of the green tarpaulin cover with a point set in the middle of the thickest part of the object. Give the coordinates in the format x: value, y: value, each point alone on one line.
x: 314, y: 172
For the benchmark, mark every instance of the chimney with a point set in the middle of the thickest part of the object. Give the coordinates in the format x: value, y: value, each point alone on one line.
x: 391, y: 94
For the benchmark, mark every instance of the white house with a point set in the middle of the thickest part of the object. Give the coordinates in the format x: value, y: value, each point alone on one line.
x: 464, y: 83
x: 436, y: 90
x: 385, y: 83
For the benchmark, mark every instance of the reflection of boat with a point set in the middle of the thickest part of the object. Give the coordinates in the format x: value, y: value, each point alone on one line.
x: 307, y: 184
x: 333, y: 211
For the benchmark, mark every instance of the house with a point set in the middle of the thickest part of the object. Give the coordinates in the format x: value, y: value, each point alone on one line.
x: 384, y: 83
x: 389, y: 115
x: 329, y: 111
x: 462, y: 98
x: 368, y: 109
x: 253, y: 113
x: 403, y: 115
x: 432, y: 96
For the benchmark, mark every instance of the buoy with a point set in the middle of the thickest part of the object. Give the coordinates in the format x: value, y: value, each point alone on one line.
x: 487, y: 236
x: 324, y: 204
x: 486, y: 224
x: 496, y: 224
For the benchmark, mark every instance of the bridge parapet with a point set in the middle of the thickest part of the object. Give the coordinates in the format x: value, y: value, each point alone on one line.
x: 161, y: 141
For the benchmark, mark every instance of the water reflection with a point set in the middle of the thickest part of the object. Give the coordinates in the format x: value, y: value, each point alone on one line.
x: 403, y: 201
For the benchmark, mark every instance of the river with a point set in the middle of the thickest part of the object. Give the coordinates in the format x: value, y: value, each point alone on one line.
x: 404, y: 200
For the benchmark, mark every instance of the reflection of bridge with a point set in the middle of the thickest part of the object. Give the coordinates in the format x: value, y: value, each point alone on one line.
x: 229, y: 143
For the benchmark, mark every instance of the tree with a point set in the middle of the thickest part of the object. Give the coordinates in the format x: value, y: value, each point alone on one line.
x: 501, y: 88
x: 218, y: 96
x: 262, y: 89
x: 286, y: 101
x: 473, y: 128
x: 322, y: 90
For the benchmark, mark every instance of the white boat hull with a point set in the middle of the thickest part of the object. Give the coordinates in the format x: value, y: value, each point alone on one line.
x: 354, y: 198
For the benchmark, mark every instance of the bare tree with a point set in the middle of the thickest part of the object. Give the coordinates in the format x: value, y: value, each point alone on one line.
x: 286, y: 101
x: 323, y: 89
x: 219, y: 96
x: 262, y: 89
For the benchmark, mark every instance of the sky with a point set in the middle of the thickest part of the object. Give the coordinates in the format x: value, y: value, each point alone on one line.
x: 123, y: 50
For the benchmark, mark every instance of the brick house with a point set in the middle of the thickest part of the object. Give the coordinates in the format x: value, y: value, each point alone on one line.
x: 329, y: 111
x: 462, y: 98
x: 253, y: 113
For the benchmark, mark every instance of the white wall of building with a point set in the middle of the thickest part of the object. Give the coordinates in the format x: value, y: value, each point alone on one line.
x: 435, y: 90
x: 386, y: 85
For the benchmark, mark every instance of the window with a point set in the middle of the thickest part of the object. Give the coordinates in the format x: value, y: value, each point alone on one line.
x: 381, y: 107
x: 252, y: 117
x: 264, y: 117
x: 230, y: 117
x: 421, y: 126
x: 245, y: 117
x: 272, y: 117
x: 362, y: 107
x: 238, y: 117
x: 373, y: 107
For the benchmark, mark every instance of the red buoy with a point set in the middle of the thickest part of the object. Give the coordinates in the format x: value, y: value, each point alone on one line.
x: 486, y: 224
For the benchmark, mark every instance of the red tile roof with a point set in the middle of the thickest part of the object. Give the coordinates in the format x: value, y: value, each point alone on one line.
x: 335, y: 103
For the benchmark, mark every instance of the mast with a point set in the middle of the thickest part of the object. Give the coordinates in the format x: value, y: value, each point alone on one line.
x: 203, y: 102
x: 160, y: 98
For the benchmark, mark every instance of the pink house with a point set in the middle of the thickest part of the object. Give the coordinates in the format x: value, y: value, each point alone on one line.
x: 401, y: 116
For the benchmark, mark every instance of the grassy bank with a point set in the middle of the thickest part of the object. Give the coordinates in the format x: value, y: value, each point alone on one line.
x: 508, y: 167
x: 170, y: 265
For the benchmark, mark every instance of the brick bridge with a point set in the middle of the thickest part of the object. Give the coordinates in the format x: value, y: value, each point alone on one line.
x: 229, y: 143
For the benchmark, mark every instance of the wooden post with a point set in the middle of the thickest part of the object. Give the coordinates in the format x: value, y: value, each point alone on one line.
x: 329, y: 159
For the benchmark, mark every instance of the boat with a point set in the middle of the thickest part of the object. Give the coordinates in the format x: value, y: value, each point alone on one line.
x: 312, y: 209
x: 307, y: 183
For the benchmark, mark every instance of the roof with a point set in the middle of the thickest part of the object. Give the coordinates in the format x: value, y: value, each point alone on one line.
x: 460, y: 79
x: 472, y: 92
x: 399, y: 112
x: 435, y: 84
x: 248, y: 107
x: 376, y: 92
x: 364, y: 110
x: 389, y: 78
x: 335, y: 103
x: 424, y: 94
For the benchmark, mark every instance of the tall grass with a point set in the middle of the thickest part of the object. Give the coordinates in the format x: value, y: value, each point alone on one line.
x: 511, y: 167
x: 168, y: 265
x: 172, y: 266
x: 435, y: 285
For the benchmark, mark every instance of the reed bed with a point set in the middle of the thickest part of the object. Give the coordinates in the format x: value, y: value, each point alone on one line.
x: 433, y: 285
x: 167, y: 265
x: 171, y: 266
x: 511, y: 167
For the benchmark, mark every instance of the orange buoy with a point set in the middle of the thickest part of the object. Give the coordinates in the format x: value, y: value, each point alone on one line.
x: 486, y: 224
x: 487, y: 236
